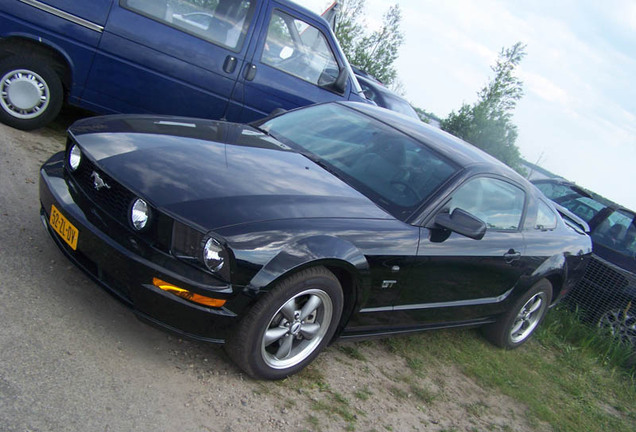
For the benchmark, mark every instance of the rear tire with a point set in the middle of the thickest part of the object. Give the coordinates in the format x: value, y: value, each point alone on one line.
x: 289, y: 325
x: 516, y: 326
x: 31, y: 92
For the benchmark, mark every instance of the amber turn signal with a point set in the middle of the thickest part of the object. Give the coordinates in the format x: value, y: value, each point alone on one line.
x: 188, y: 295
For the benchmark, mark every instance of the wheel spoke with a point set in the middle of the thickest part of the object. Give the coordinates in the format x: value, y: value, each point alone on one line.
x: 285, y: 348
x: 517, y: 326
x: 308, y: 331
x: 535, y: 305
x: 289, y: 309
x: 312, y: 304
x: 274, y: 334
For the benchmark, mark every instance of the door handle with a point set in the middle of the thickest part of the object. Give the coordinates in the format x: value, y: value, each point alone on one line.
x: 512, y: 255
x: 230, y: 64
x: 250, y: 71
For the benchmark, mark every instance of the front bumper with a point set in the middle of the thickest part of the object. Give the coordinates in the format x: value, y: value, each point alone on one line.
x: 125, y: 265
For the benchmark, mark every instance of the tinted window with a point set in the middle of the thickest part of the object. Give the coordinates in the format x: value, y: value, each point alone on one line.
x: 391, y: 168
x: 618, y: 233
x: 224, y: 22
x: 583, y: 207
x: 499, y: 204
x: 295, y: 47
x: 546, y: 218
x: 554, y: 191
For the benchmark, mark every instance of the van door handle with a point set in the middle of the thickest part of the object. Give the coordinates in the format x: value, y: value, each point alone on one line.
x: 250, y: 72
x: 512, y: 255
x: 230, y: 64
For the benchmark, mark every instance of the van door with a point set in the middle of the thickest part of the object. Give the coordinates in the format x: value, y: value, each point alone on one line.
x: 178, y: 57
x: 292, y: 64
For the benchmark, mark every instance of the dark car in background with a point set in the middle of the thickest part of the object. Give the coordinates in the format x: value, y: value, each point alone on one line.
x: 376, y: 92
x: 338, y: 219
x: 607, y: 293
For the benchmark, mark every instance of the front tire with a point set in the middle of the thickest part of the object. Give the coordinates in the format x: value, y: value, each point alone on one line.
x: 289, y: 326
x: 31, y: 92
x: 517, y: 325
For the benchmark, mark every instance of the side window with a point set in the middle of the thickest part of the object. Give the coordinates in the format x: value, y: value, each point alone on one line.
x: 295, y: 47
x: 617, y: 232
x: 224, y: 22
x: 546, y: 219
x: 498, y: 203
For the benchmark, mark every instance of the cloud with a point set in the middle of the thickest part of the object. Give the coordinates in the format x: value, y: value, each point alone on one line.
x: 579, y: 107
x: 544, y: 88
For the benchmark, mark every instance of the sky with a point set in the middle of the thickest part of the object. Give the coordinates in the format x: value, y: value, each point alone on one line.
x: 578, y: 114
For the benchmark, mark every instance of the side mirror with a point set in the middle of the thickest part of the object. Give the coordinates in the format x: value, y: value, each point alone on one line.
x: 341, y: 82
x: 337, y: 83
x: 462, y: 222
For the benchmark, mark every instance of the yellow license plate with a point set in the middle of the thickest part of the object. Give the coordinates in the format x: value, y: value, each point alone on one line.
x: 63, y: 227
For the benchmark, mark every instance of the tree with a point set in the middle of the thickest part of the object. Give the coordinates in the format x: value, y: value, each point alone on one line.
x: 487, y: 123
x: 375, y: 52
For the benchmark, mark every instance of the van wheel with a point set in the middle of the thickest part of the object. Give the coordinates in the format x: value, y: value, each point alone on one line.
x: 288, y: 326
x: 31, y: 93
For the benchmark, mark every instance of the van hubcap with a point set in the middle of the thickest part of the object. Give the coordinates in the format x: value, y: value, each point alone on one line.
x: 23, y: 94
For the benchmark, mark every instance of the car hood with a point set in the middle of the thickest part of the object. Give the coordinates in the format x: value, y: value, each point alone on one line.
x: 215, y: 174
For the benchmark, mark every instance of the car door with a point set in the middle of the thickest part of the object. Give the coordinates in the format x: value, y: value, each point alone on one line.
x: 171, y: 57
x: 292, y: 62
x: 457, y: 278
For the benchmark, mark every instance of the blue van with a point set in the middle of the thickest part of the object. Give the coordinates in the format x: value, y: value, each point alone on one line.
x: 220, y: 59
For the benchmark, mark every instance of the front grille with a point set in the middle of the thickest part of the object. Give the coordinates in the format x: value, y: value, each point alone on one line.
x: 111, y: 202
x: 113, y: 199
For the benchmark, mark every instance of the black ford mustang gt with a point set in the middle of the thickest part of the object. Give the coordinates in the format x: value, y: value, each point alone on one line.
x: 332, y: 220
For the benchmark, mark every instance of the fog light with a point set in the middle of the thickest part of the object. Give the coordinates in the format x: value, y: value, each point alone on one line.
x: 188, y: 295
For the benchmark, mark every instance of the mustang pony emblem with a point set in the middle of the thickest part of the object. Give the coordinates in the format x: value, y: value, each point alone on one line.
x: 98, y: 182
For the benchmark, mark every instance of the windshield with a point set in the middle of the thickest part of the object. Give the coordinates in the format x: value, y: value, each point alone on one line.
x: 391, y: 168
x: 584, y: 207
x: 401, y: 106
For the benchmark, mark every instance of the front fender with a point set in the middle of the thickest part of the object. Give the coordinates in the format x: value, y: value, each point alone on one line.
x: 321, y: 249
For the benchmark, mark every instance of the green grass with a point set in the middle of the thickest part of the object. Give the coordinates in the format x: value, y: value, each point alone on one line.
x: 363, y: 394
x: 325, y: 401
x: 569, y: 376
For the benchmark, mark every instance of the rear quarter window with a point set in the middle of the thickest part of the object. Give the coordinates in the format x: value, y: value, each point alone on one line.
x: 546, y: 218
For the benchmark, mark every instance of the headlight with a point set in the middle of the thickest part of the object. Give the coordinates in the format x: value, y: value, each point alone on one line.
x: 139, y: 214
x: 74, y: 157
x: 214, y: 255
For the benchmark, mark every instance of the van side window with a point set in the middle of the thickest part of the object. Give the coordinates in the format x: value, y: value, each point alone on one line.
x: 223, y: 22
x: 295, y: 47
